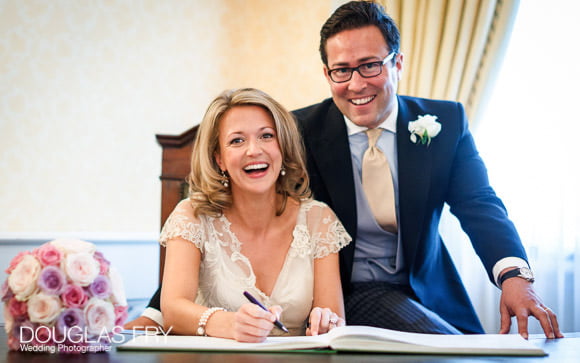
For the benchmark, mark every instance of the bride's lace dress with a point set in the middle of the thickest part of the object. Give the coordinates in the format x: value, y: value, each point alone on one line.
x: 225, y: 273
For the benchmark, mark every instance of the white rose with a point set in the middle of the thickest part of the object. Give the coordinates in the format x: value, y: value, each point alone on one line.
x: 81, y: 268
x: 100, y: 316
x: 43, y: 308
x: 425, y: 127
x: 22, y: 280
x: 74, y: 246
x: 118, y: 290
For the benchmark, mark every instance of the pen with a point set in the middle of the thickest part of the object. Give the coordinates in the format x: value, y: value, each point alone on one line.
x: 253, y: 300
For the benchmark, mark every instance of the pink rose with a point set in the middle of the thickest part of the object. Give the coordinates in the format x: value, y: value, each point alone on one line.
x: 43, y: 335
x: 121, y: 315
x: 17, y: 308
x: 73, y: 296
x: 81, y: 268
x: 48, y: 255
x: 43, y: 308
x: 100, y: 316
x: 22, y: 280
x: 103, y: 262
x: 16, y: 260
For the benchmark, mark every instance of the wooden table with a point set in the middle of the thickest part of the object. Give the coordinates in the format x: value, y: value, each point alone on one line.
x: 560, y: 350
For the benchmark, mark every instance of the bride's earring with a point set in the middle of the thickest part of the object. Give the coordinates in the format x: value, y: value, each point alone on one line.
x: 283, y: 171
x: 225, y: 180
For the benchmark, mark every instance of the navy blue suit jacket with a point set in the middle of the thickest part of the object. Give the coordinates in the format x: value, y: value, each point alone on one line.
x: 449, y: 170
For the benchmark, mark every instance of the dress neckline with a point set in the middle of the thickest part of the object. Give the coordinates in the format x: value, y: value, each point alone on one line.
x: 237, y: 248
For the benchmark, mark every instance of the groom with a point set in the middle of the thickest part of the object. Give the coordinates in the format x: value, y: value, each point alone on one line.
x: 398, y: 274
x: 406, y: 271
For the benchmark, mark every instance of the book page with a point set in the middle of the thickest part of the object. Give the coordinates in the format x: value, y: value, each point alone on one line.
x: 351, y: 338
x: 197, y: 343
x: 362, y: 338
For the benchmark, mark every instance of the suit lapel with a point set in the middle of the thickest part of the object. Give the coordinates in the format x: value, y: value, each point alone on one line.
x: 414, y: 181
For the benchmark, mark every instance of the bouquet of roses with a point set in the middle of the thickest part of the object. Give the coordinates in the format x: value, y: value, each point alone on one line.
x: 63, y: 297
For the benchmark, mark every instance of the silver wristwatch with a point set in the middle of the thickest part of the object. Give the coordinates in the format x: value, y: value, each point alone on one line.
x: 521, y: 272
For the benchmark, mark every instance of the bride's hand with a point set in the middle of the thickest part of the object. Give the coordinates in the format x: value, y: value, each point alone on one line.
x: 322, y: 320
x: 253, y: 324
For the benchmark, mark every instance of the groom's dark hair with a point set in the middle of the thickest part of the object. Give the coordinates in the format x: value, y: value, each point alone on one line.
x: 358, y: 14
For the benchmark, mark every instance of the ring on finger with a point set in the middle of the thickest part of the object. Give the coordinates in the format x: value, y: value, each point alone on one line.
x: 333, y: 320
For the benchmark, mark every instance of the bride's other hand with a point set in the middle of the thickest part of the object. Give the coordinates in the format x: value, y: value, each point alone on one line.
x: 322, y: 320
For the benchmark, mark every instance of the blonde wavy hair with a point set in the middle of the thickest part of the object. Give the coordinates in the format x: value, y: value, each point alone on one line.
x: 206, y: 191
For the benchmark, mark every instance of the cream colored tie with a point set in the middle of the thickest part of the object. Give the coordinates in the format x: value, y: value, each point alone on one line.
x: 378, y: 183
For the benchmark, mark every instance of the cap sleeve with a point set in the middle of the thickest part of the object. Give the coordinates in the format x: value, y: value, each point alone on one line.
x: 327, y: 233
x: 183, y: 224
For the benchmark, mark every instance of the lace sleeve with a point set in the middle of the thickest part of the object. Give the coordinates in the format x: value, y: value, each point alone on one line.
x: 182, y: 223
x: 328, y: 234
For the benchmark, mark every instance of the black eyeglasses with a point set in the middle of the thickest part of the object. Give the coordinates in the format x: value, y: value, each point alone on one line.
x: 366, y: 70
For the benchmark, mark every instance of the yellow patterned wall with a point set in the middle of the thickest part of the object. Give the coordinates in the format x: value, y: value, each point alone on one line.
x: 273, y: 45
x: 86, y: 85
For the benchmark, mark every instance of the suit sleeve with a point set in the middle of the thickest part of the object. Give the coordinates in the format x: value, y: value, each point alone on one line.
x: 473, y: 201
x: 155, y: 301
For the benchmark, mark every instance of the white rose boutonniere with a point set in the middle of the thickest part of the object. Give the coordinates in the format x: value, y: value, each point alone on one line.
x: 424, y: 129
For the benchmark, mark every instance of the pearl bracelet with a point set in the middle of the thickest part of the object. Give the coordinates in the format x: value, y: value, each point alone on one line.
x: 204, y: 318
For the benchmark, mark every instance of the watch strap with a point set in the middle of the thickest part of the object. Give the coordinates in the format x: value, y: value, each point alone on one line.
x: 516, y: 272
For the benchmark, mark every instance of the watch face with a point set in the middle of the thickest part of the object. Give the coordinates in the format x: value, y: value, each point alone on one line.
x: 526, y: 273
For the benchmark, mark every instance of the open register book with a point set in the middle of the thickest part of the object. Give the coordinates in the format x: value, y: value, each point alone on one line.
x: 350, y: 338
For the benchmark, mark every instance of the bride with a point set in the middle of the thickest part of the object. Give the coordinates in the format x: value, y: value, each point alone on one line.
x: 249, y: 224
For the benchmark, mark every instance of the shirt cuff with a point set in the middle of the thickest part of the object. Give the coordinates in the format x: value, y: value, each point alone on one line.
x: 505, y: 263
x: 154, y: 315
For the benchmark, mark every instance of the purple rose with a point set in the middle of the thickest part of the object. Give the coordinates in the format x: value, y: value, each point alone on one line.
x: 5, y: 293
x: 71, y: 323
x: 101, y: 287
x: 51, y: 280
x: 24, y: 331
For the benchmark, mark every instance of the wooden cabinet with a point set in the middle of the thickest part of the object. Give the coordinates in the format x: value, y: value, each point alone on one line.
x: 175, y: 167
